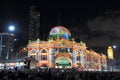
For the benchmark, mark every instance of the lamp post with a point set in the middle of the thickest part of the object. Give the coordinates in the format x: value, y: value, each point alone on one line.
x: 116, y: 56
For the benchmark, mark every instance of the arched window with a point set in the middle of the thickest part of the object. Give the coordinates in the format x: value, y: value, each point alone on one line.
x: 43, y: 51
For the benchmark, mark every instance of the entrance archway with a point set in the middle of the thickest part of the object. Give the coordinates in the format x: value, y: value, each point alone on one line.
x: 63, y: 62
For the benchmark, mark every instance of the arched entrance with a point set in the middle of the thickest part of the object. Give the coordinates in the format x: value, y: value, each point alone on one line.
x: 63, y: 62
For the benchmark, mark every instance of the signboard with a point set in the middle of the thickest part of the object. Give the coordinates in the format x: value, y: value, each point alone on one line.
x: 63, y: 62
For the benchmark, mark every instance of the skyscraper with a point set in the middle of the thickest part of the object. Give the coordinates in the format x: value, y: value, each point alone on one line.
x: 34, y: 23
x: 6, y: 45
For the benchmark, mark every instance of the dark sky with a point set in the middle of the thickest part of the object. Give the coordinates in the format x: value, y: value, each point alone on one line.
x: 96, y: 23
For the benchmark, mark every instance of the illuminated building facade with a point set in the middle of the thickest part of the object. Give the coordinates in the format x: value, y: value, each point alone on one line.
x: 62, y: 51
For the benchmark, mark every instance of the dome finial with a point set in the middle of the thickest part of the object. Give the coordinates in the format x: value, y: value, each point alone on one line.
x: 59, y: 15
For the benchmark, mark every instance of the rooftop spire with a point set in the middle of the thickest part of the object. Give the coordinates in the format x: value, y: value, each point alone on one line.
x: 59, y: 18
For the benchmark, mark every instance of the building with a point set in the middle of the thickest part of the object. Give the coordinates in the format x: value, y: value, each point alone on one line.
x: 34, y: 22
x: 62, y: 51
x: 6, y: 45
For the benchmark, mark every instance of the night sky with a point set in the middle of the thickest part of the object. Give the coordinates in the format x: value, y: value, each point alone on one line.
x: 95, y: 23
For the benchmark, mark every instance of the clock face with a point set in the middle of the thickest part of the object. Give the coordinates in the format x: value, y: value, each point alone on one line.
x: 63, y: 43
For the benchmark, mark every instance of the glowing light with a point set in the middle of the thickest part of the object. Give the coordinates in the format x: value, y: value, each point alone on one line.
x: 11, y: 28
x: 15, y: 39
x: 114, y: 46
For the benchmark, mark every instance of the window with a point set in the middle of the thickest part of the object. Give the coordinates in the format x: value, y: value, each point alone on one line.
x: 43, y: 51
x: 78, y: 57
x: 44, y: 57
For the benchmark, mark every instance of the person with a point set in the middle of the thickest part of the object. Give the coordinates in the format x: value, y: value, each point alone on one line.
x: 16, y: 68
x: 77, y: 77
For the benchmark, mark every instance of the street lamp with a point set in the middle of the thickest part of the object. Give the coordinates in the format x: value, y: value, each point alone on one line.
x: 114, y: 46
x: 116, y: 50
x: 15, y: 39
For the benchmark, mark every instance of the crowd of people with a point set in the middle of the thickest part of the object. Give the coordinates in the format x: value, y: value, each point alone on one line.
x: 57, y: 74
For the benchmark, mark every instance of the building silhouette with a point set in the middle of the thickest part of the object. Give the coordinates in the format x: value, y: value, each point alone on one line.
x: 34, y: 23
x: 6, y: 45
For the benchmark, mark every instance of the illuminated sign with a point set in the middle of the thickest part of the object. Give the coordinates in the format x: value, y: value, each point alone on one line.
x: 63, y: 62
